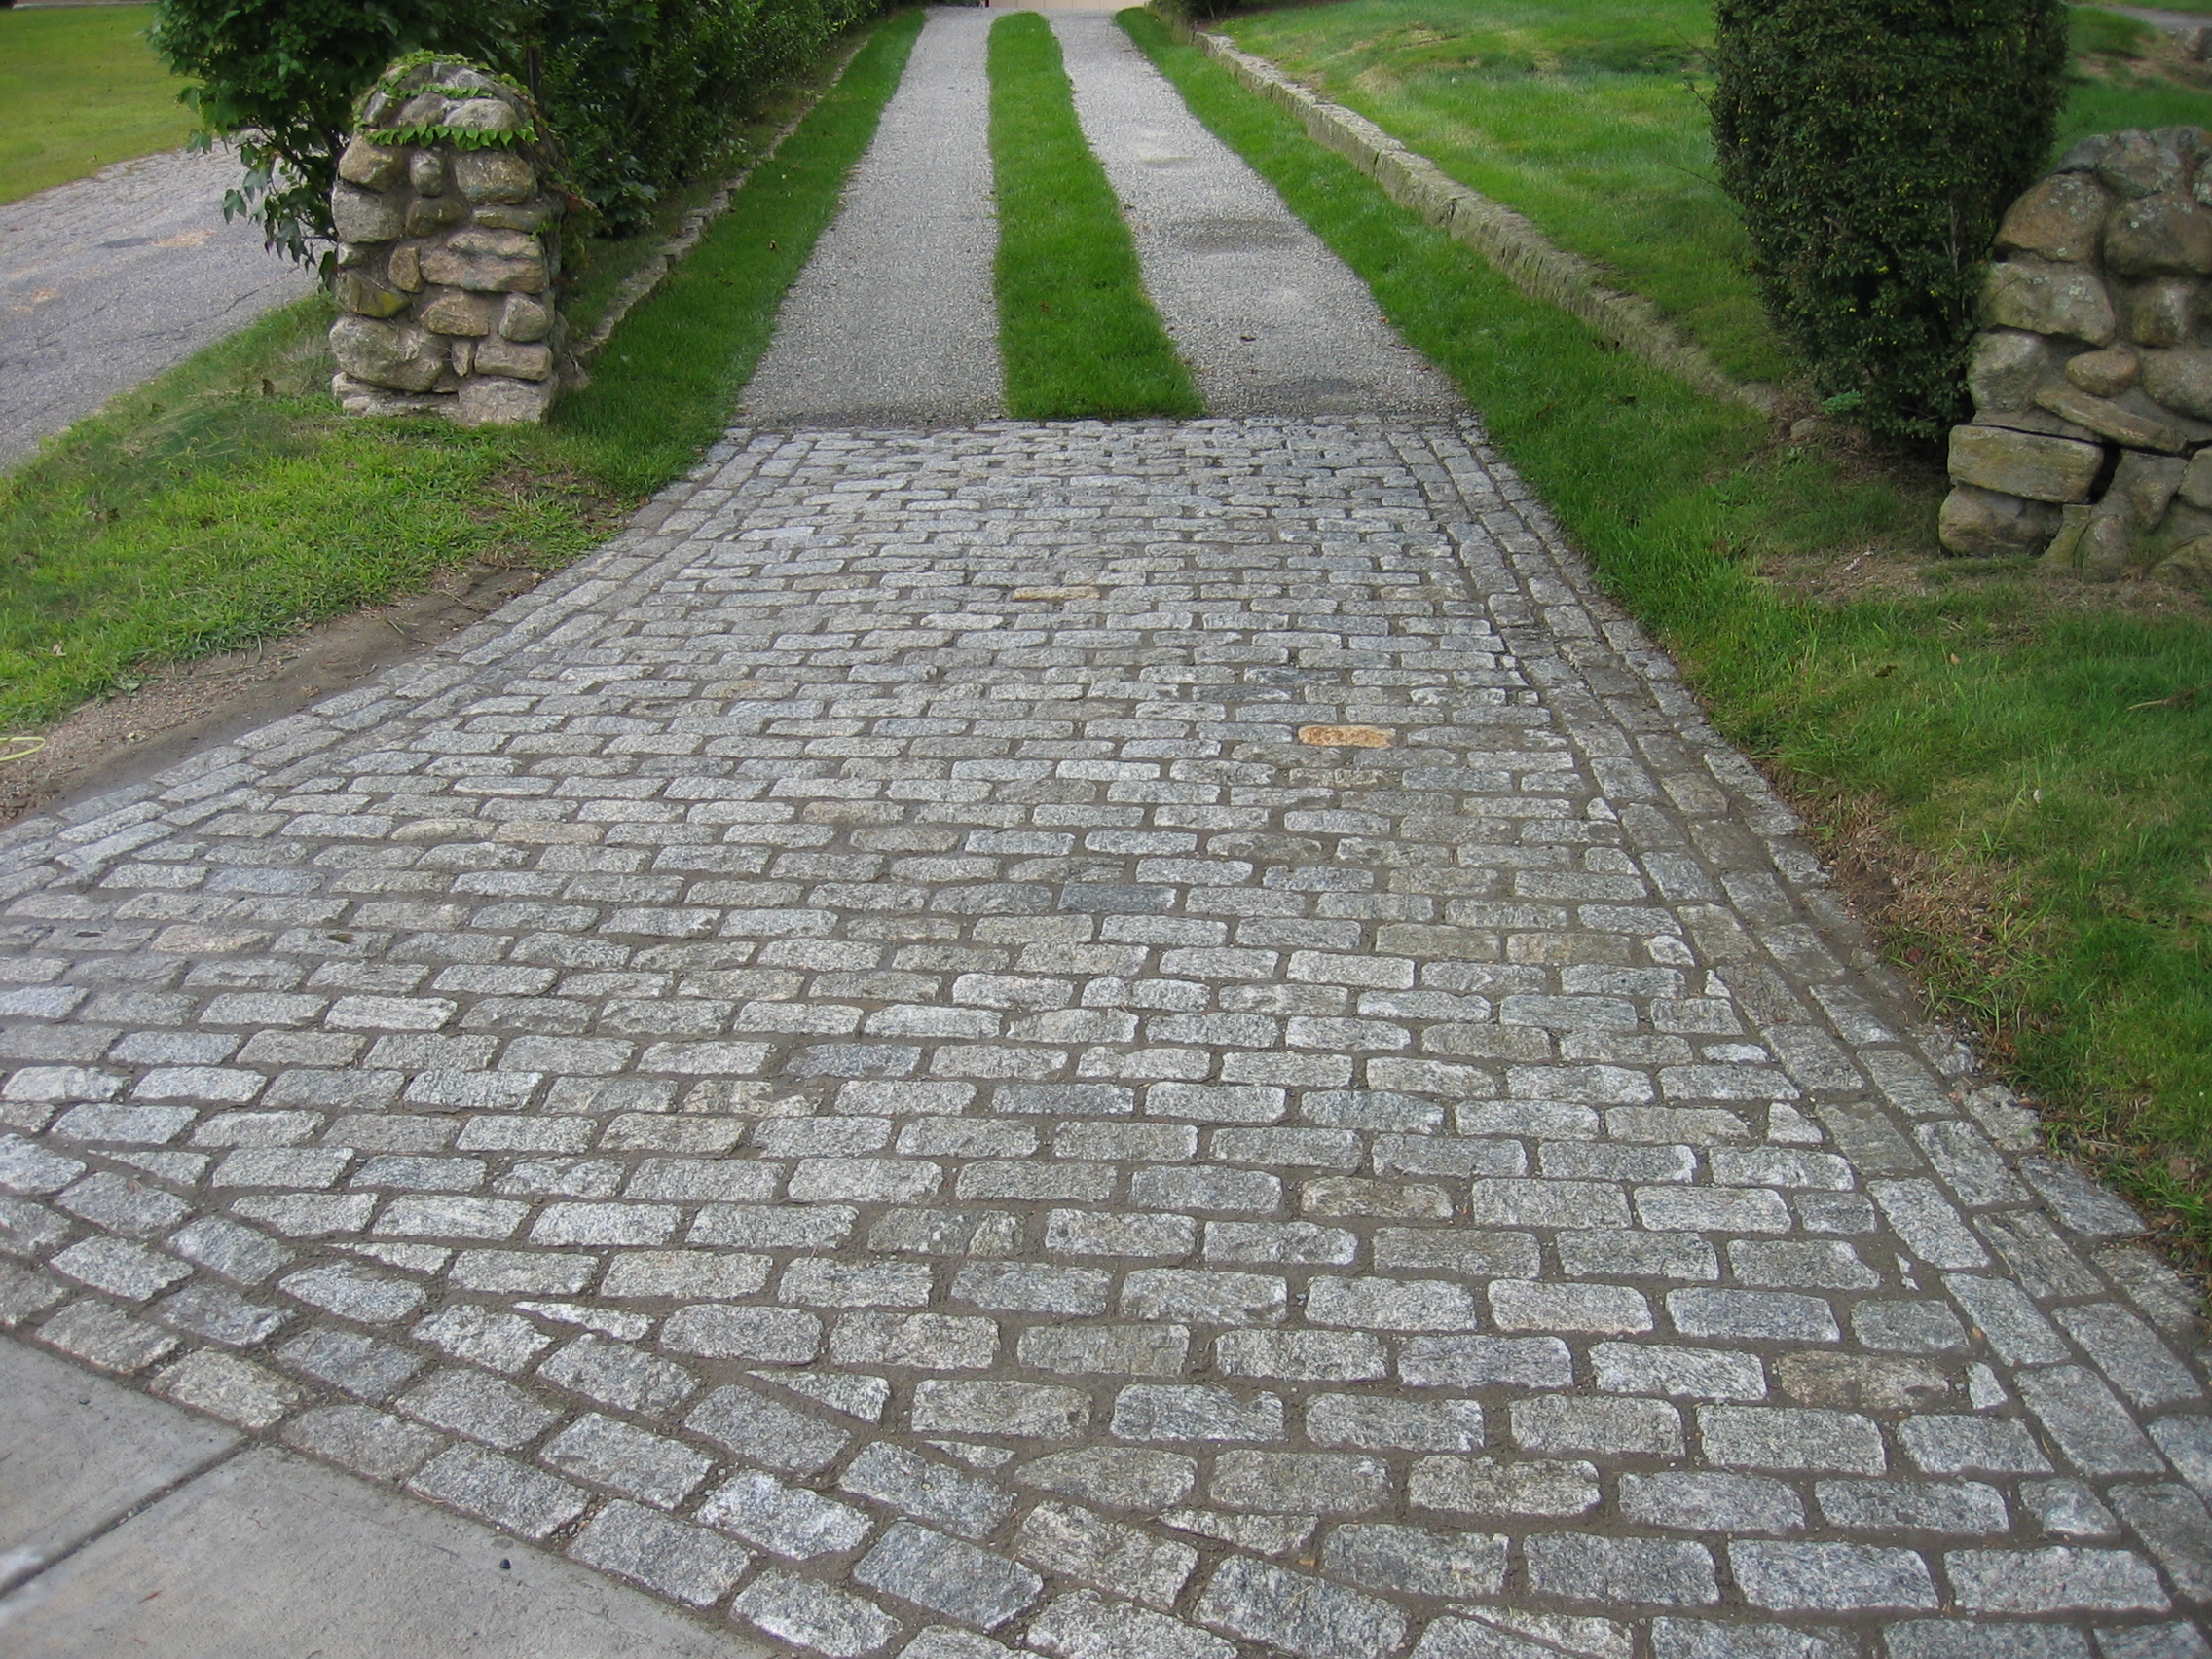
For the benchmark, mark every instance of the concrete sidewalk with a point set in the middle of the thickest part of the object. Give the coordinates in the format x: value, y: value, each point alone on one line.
x: 130, y: 1525
x: 108, y: 280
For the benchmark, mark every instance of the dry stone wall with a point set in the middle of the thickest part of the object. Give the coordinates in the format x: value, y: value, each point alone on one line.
x: 2091, y: 442
x: 449, y: 225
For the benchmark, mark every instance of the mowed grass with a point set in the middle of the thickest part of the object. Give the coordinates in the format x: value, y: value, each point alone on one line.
x: 1588, y: 116
x: 1078, y: 337
x: 228, y: 501
x: 2043, y: 771
x: 2127, y: 73
x: 79, y: 88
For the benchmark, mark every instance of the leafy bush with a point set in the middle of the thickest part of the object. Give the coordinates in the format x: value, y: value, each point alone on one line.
x: 1195, y: 12
x: 279, y: 77
x: 1873, y: 145
x: 640, y: 93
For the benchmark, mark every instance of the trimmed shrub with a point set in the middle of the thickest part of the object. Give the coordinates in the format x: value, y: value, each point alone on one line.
x: 640, y: 93
x: 1873, y: 145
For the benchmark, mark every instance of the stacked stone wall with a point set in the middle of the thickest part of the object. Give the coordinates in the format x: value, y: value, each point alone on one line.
x: 449, y: 226
x: 2091, y: 442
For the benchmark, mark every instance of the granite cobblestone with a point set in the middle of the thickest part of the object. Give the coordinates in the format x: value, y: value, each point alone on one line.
x: 870, y: 1061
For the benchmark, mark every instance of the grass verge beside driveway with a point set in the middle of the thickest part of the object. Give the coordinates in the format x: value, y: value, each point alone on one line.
x: 228, y: 501
x: 1077, y: 332
x: 79, y: 88
x: 1589, y: 117
x: 2038, y: 770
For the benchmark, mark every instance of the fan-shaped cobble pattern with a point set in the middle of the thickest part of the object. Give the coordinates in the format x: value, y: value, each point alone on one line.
x: 1142, y: 1041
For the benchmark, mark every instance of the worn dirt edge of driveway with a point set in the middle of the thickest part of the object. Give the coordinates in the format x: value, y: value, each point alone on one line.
x: 186, y: 706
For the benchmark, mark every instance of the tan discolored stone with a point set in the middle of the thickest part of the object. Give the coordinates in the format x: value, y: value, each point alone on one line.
x: 2060, y: 219
x: 470, y: 314
x: 484, y: 274
x: 1847, y: 1381
x: 2103, y: 374
x: 496, y: 356
x: 1344, y: 736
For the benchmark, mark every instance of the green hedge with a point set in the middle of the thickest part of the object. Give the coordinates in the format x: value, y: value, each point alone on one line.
x: 640, y: 93
x: 1873, y: 145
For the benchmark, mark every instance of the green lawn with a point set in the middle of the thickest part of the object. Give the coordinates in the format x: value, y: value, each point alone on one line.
x: 2034, y: 762
x: 79, y: 88
x: 1078, y: 334
x: 228, y: 501
x: 2125, y: 74
x: 1586, y: 115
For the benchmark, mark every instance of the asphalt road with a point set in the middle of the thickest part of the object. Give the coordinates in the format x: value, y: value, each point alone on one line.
x: 108, y: 280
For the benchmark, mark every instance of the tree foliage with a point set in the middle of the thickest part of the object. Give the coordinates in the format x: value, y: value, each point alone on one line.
x: 1873, y: 145
x: 639, y: 94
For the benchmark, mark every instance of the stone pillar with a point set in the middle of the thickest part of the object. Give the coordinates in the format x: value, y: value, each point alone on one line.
x: 2091, y: 442
x: 449, y: 241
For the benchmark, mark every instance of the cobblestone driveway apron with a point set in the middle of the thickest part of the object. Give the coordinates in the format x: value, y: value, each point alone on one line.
x: 1136, y: 1042
x: 1137, y: 1039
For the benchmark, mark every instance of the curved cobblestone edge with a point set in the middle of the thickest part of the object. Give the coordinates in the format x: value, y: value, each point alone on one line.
x: 2019, y: 1399
x: 1527, y: 258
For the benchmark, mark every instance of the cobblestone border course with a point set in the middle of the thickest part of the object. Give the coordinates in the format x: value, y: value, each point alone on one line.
x: 1518, y: 1410
x: 1522, y: 253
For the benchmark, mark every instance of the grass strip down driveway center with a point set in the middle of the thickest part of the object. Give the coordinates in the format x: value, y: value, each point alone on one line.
x: 2043, y: 771
x: 228, y: 501
x: 1078, y: 334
